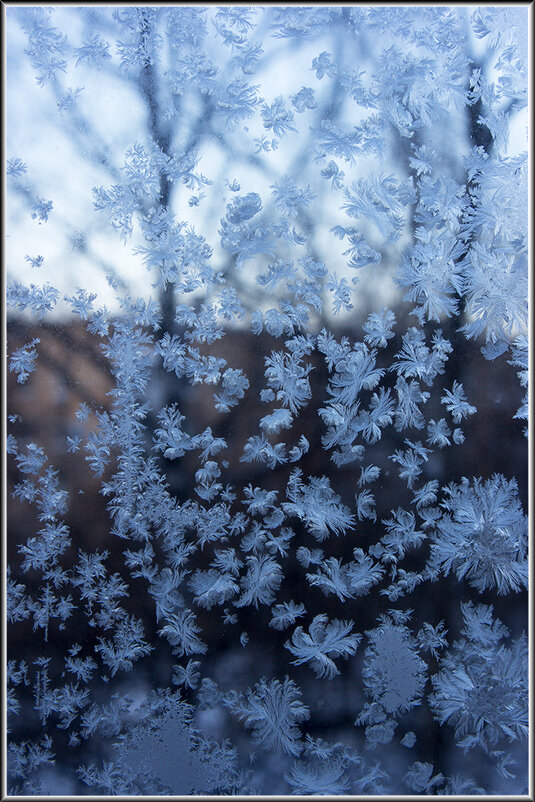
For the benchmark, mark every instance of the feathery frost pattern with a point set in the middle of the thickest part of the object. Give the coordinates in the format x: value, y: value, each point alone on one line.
x: 268, y: 533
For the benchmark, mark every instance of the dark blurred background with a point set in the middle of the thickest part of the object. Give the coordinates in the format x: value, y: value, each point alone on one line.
x: 71, y: 369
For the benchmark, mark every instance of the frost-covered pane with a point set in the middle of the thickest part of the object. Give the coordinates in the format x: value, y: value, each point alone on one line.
x: 267, y: 367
